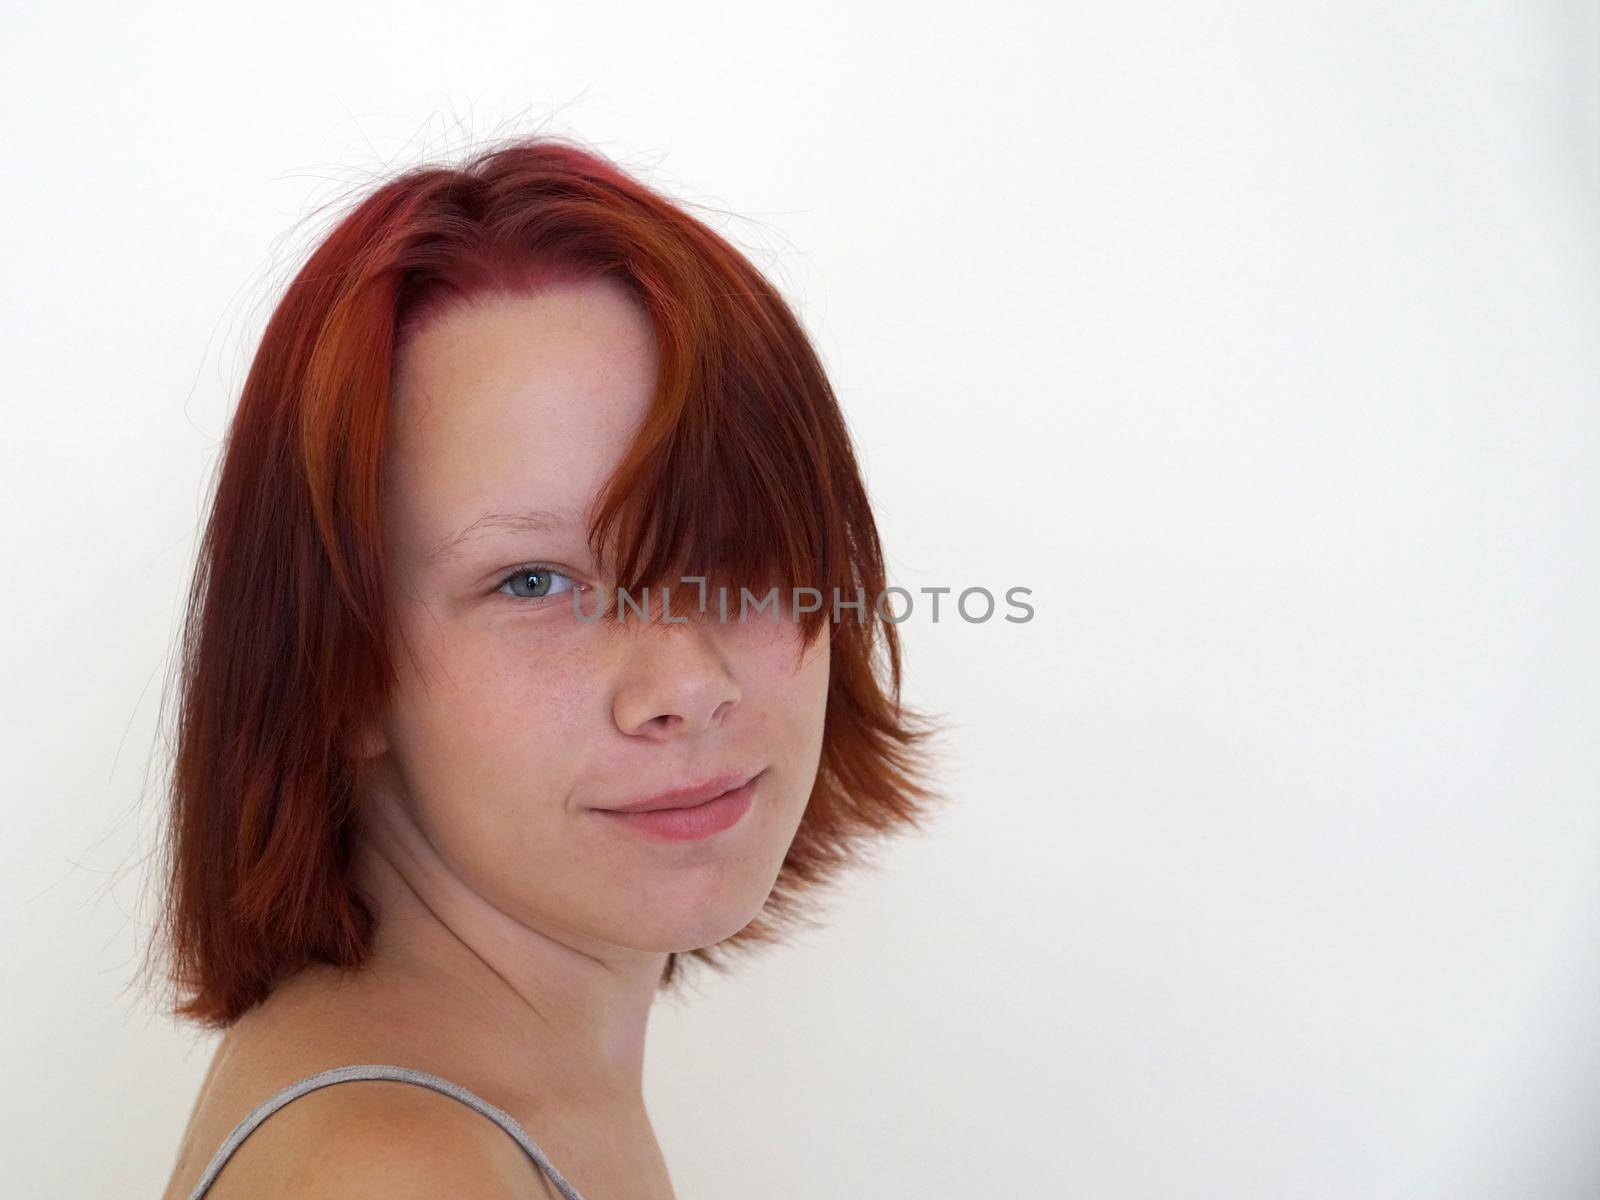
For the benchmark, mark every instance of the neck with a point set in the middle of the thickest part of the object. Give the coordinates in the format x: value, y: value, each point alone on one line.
x: 501, y: 989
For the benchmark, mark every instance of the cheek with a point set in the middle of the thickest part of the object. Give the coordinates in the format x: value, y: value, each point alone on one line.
x: 494, y: 706
x: 489, y: 743
x: 785, y: 695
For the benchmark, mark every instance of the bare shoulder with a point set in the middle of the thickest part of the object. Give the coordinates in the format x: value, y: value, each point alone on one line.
x: 373, y: 1138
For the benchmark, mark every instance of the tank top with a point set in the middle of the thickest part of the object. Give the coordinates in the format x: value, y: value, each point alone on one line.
x: 376, y: 1071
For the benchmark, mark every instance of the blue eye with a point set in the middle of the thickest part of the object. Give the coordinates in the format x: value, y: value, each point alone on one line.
x: 540, y: 581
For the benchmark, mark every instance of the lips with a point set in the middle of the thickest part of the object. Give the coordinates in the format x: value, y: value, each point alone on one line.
x: 686, y: 797
x: 691, y: 823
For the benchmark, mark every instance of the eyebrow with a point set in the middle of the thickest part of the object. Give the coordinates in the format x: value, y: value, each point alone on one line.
x: 536, y: 520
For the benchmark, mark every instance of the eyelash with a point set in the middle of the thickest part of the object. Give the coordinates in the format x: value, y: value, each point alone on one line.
x: 535, y: 569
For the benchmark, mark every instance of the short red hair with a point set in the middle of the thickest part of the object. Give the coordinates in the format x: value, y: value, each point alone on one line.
x: 743, y: 464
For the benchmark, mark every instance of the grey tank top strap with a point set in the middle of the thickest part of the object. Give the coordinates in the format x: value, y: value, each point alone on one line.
x: 377, y: 1071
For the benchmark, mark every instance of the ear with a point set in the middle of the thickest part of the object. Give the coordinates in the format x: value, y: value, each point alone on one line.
x: 365, y: 743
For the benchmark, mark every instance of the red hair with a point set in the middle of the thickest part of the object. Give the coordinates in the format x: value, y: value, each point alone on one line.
x: 742, y: 468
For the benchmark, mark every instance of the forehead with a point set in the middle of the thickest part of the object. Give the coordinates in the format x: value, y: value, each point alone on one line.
x: 515, y: 403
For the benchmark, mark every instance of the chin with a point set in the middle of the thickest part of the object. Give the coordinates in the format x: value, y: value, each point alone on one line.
x: 665, y: 932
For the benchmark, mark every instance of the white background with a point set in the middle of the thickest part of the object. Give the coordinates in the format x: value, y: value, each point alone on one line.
x: 1258, y: 339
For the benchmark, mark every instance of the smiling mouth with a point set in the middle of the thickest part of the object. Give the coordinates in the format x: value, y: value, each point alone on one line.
x: 691, y: 822
x: 692, y: 796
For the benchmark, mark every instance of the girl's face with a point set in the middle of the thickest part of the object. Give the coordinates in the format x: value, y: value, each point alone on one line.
x: 515, y: 720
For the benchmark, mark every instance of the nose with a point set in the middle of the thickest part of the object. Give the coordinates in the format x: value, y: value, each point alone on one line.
x: 677, y: 680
